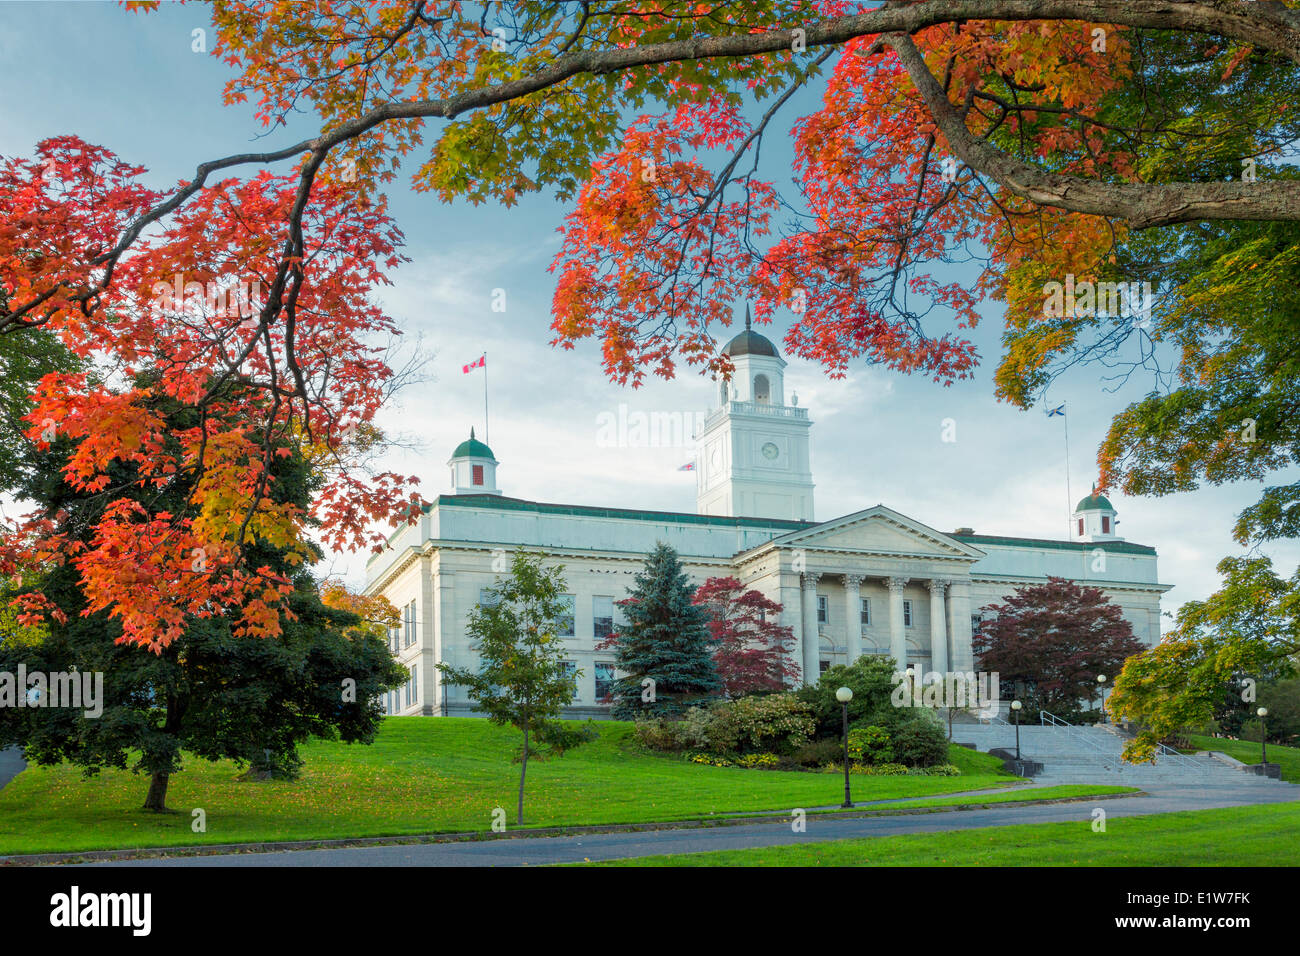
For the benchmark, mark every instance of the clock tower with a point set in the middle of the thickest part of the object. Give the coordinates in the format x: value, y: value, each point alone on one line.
x: 753, y: 455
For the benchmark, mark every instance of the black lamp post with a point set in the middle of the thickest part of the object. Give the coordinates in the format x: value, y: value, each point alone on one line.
x: 1015, y: 713
x: 844, y: 695
x: 1101, y: 695
x: 1263, y: 736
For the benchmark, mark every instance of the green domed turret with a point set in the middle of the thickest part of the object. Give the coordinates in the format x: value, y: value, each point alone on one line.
x: 1095, y: 502
x: 473, y: 448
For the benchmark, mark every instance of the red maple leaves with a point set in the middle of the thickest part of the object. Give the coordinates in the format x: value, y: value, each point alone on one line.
x: 263, y: 329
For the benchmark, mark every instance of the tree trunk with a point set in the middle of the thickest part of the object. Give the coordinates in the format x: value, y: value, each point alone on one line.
x: 157, y: 798
x: 523, y: 770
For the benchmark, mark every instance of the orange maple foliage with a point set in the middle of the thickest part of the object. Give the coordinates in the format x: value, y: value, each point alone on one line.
x: 180, y: 316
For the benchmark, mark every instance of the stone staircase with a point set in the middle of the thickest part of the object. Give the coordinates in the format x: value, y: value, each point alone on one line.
x: 1071, y: 754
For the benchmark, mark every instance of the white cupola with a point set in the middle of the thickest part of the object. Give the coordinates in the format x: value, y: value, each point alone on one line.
x: 1094, y: 519
x: 473, y: 468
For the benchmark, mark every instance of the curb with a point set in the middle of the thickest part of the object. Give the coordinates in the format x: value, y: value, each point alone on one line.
x: 218, y: 849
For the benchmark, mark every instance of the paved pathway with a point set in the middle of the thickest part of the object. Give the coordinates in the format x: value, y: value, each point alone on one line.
x: 609, y: 846
x: 11, y: 764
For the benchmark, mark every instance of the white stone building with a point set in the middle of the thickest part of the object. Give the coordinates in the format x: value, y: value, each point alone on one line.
x: 871, y: 582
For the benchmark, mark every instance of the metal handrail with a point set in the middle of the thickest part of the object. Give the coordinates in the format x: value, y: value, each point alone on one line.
x: 1181, y: 760
x: 1053, y: 721
x: 1185, y: 760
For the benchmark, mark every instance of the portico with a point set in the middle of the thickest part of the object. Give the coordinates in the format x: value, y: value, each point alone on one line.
x: 874, y: 582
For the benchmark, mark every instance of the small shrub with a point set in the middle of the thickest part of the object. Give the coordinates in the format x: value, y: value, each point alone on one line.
x: 660, y: 734
x: 942, y: 770
x: 711, y: 760
x: 694, y: 727
x: 870, y: 744
x: 817, y: 753
x: 888, y: 770
x: 920, y: 742
x: 757, y: 724
x: 759, y: 761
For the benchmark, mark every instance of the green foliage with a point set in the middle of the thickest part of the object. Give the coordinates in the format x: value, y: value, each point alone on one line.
x: 773, y: 722
x: 818, y: 753
x: 26, y: 356
x: 655, y: 733
x: 665, y: 640
x: 920, y: 741
x: 870, y: 745
x: 1247, y: 627
x: 871, y: 679
x: 522, y: 680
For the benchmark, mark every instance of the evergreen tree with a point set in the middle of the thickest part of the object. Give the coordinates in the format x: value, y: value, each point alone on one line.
x: 665, y: 641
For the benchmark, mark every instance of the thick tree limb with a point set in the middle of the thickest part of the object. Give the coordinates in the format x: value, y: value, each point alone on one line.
x: 1140, y: 205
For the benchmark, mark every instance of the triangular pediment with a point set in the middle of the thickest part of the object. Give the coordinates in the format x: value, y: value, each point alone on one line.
x: 878, y: 530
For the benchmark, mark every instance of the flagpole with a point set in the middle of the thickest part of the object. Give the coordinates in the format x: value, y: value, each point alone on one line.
x: 487, y: 435
x: 1069, y: 508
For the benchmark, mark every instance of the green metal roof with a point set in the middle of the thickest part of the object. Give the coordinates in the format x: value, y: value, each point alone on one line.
x: 501, y: 502
x: 1112, y: 547
x: 1094, y: 502
x: 473, y: 448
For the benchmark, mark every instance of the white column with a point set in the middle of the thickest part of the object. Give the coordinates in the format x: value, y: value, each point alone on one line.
x: 938, y: 626
x: 897, y: 635
x: 963, y: 658
x: 792, y: 614
x: 853, y: 615
x: 811, y: 637
x: 445, y: 641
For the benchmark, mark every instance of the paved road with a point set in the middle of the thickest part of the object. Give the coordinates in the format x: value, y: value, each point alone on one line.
x: 610, y: 846
x: 11, y: 764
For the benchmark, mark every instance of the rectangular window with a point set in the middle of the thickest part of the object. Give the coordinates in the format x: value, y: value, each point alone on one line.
x: 571, y: 670
x: 1080, y: 526
x: 866, y: 612
x: 907, y: 613
x: 823, y: 666
x: 602, y: 617
x: 564, y: 623
x: 975, y: 622
x: 415, y: 685
x: 604, y: 681
x: 821, y: 609
x: 410, y: 624
x: 1105, y: 524
x: 486, y: 598
x: 478, y: 474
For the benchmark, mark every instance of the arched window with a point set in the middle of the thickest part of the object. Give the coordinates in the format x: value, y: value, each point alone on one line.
x: 762, y: 390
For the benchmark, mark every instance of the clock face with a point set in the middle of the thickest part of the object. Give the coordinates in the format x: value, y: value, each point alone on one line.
x: 770, y: 451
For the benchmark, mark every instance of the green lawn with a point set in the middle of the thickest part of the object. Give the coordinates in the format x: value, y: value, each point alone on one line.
x: 1018, y: 795
x: 1240, y: 836
x: 426, y: 775
x: 1248, y: 752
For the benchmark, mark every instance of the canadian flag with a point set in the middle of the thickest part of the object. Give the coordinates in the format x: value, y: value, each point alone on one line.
x: 480, y: 362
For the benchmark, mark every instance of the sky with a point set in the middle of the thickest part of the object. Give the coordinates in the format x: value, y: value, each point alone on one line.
x: 131, y: 82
